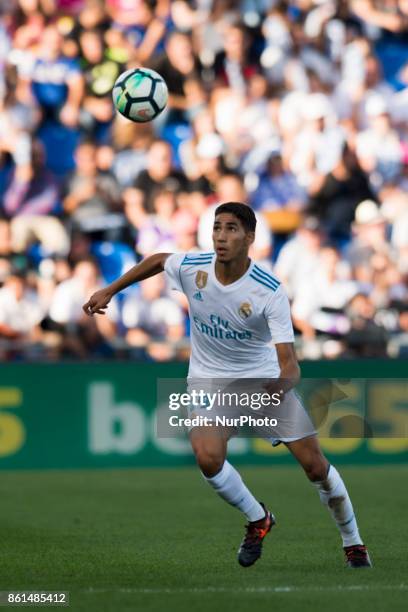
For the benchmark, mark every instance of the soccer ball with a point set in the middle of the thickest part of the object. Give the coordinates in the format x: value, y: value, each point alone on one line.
x: 140, y: 94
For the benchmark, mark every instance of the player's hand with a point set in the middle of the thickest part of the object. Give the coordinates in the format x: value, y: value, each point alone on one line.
x: 98, y: 302
x: 274, y: 386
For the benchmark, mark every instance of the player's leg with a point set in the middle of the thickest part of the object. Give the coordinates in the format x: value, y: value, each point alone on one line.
x: 210, y: 449
x: 334, y: 496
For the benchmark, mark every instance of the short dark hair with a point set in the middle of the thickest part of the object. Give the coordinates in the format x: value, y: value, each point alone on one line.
x: 243, y: 212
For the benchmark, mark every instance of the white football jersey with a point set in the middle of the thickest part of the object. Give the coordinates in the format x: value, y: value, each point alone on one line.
x: 233, y: 327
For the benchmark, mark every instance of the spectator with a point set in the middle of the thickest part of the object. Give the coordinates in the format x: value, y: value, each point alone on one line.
x: 369, y: 237
x: 81, y: 335
x: 159, y: 174
x: 100, y: 73
x: 93, y: 14
x: 374, y: 86
x: 153, y: 19
x: 19, y: 117
x: 31, y: 200
x: 278, y: 188
x: 92, y: 198
x: 177, y: 66
x: 334, y: 201
x: 366, y: 337
x: 233, y: 66
x: 378, y: 148
x: 33, y: 189
x: 299, y: 258
x: 392, y: 17
x: 131, y: 142
x: 20, y: 310
x: 157, y: 233
x: 319, y: 302
x: 201, y: 154
x: 318, y: 147
x: 152, y: 318
x: 57, y: 83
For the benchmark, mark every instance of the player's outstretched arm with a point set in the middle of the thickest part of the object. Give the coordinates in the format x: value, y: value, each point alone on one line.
x: 98, y: 302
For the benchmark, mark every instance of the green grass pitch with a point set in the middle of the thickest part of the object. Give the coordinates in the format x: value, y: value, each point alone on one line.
x: 153, y: 539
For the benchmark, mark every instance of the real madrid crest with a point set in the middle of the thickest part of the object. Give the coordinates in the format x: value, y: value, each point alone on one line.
x: 201, y: 279
x: 245, y: 310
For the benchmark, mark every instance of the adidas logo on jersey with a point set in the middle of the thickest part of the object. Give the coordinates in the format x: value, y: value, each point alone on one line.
x: 198, y: 296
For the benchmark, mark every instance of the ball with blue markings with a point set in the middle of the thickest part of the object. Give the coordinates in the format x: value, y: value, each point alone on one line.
x: 140, y: 94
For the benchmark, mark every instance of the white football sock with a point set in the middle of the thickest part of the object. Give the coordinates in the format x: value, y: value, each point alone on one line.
x: 230, y: 486
x: 333, y: 494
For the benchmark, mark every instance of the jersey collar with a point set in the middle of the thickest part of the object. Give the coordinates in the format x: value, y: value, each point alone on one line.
x: 233, y: 285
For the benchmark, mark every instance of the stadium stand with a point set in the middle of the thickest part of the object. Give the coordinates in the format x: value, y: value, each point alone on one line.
x: 298, y: 106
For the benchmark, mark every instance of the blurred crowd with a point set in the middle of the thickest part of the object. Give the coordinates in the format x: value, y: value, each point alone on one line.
x: 297, y: 107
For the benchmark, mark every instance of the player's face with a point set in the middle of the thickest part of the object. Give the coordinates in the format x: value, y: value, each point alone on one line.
x: 230, y: 238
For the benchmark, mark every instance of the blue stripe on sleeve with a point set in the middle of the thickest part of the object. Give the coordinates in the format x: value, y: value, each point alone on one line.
x: 266, y: 276
x: 263, y: 282
x: 196, y: 259
x: 195, y: 262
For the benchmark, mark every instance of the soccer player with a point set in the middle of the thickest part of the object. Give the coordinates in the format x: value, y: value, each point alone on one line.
x: 237, y: 308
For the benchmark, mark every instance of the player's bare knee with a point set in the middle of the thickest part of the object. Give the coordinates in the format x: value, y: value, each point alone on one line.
x: 316, y: 467
x: 210, y: 462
